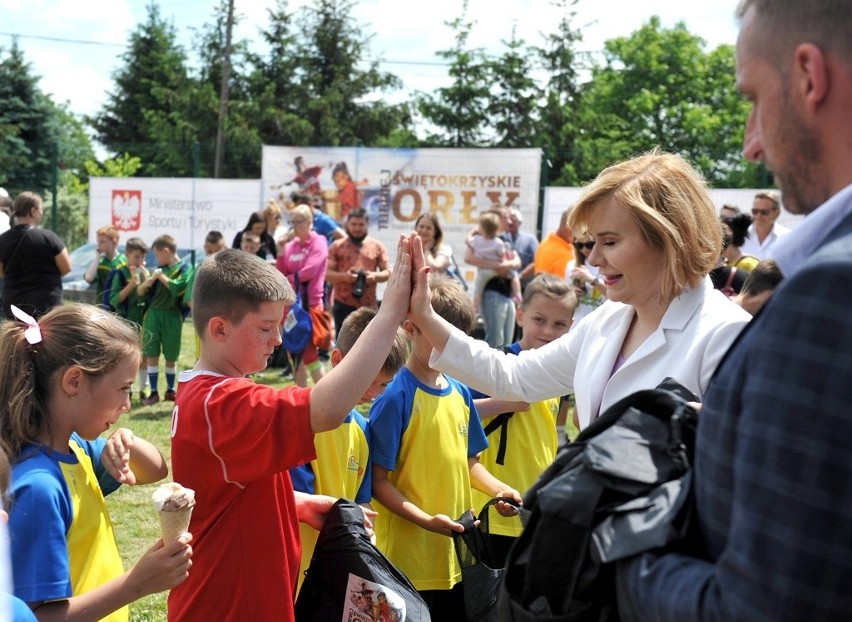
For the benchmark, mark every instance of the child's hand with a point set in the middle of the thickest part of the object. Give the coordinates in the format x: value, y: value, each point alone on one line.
x: 506, y: 509
x: 421, y: 298
x: 312, y: 509
x: 398, y: 289
x: 162, y: 567
x: 116, y: 456
x: 369, y: 515
x: 444, y: 525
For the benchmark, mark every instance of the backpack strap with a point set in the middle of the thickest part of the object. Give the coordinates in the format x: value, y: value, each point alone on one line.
x: 501, y: 421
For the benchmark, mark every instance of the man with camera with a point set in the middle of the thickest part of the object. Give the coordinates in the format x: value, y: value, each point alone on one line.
x: 356, y: 264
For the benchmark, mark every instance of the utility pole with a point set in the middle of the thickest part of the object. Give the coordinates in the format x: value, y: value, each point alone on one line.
x: 224, y: 90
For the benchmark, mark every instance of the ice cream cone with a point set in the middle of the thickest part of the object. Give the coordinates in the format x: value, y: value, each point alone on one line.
x: 174, y: 523
x: 174, y: 505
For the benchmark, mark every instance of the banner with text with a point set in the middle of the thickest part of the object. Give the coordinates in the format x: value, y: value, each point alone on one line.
x: 185, y: 209
x: 395, y: 186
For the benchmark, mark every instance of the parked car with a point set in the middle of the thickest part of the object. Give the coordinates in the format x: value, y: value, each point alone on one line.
x: 74, y: 286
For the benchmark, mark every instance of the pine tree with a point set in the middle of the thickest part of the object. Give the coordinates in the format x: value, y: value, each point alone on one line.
x: 459, y: 111
x: 150, y: 113
x: 28, y: 128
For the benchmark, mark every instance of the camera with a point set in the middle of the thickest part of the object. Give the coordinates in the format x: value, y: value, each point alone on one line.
x: 358, y: 285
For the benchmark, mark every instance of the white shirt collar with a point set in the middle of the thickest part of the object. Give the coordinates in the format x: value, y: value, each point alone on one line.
x: 791, y: 250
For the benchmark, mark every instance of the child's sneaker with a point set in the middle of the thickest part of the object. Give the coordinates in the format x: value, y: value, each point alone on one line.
x: 152, y: 399
x: 170, y: 395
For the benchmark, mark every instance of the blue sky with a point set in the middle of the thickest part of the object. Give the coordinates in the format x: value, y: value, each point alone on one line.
x: 75, y: 46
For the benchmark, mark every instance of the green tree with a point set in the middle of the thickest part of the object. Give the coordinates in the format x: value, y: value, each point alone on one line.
x: 339, y: 90
x: 28, y: 128
x: 513, y: 104
x: 274, y: 86
x: 243, y: 145
x: 458, y: 114
x: 150, y: 113
x: 557, y: 124
x: 659, y: 87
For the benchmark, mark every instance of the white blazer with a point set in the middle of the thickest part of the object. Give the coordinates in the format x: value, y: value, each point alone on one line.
x: 692, y: 337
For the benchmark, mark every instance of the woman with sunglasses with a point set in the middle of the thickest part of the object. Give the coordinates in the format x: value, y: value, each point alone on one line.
x: 656, y: 237
x: 586, y: 278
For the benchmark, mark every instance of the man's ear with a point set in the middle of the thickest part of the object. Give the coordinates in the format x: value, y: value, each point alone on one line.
x: 811, y: 73
x: 336, y: 357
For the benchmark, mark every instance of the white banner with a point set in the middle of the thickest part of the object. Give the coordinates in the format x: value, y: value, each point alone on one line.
x: 185, y: 209
x: 558, y: 199
x: 395, y: 186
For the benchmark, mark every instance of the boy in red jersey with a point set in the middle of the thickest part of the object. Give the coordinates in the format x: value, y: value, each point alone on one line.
x: 233, y: 441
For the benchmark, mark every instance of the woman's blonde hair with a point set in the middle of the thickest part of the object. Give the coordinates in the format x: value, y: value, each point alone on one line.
x: 304, y: 211
x: 669, y: 201
x: 71, y: 334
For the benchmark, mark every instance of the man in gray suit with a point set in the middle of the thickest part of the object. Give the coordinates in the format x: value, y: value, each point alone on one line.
x: 772, y: 530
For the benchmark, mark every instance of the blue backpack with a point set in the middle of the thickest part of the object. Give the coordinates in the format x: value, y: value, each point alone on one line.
x: 298, y: 329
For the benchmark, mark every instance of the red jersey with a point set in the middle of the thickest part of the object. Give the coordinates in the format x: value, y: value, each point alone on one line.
x: 233, y: 442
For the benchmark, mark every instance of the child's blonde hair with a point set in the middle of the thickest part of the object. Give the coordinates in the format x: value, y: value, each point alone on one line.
x: 451, y: 302
x: 355, y: 324
x: 551, y: 286
x: 71, y: 335
x: 489, y: 223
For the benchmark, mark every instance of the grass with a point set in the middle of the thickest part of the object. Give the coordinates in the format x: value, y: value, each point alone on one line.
x: 136, y: 525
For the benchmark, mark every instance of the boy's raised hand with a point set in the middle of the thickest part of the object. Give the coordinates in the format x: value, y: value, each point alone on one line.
x: 421, y: 304
x: 398, y: 290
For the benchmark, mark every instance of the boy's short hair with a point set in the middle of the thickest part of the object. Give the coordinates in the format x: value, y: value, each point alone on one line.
x: 249, y: 236
x: 300, y: 197
x: 135, y: 245
x: 551, y: 286
x: 110, y: 232
x: 164, y: 242
x: 232, y: 283
x: 489, y: 223
x: 214, y: 237
x: 451, y: 302
x: 355, y: 324
x: 765, y: 276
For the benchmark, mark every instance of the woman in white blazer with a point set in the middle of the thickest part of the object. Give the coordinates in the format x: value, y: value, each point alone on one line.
x: 656, y: 237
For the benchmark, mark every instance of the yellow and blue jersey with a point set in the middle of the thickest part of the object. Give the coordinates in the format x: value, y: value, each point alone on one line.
x: 62, y: 539
x: 341, y: 469
x: 529, y: 441
x: 424, y: 437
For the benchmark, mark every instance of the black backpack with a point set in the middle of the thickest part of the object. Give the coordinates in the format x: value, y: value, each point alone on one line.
x: 350, y: 579
x: 115, y: 273
x: 632, y: 462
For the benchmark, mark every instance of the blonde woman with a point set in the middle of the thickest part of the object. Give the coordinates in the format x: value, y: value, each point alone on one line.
x: 656, y: 238
x: 305, y: 258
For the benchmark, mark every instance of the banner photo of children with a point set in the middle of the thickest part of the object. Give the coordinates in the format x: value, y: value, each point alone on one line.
x: 397, y: 186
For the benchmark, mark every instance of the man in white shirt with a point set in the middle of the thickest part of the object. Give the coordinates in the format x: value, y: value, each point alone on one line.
x: 5, y: 210
x: 764, y: 230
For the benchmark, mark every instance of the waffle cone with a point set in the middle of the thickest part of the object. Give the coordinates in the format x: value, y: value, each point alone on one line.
x: 174, y: 524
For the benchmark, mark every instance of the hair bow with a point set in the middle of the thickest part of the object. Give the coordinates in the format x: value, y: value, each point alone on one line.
x: 33, y: 332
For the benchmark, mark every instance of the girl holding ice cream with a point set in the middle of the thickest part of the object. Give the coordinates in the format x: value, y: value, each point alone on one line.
x: 64, y: 381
